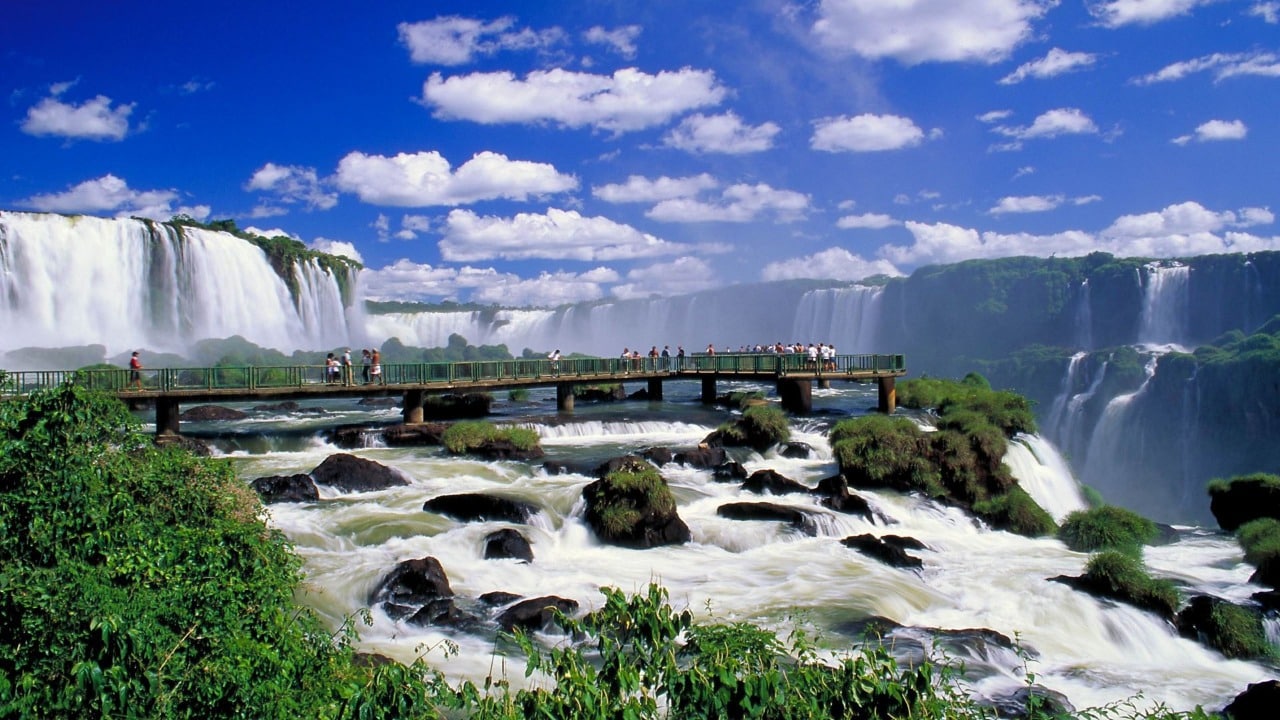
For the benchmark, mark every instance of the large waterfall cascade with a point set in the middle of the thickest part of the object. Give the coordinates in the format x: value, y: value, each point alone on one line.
x: 124, y: 283
x: 1165, y: 304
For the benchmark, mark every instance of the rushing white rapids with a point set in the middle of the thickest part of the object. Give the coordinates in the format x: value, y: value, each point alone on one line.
x: 131, y: 284
x: 1094, y: 651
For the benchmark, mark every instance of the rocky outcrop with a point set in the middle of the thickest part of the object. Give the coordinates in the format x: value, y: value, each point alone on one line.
x: 835, y: 494
x: 349, y: 473
x: 507, y: 543
x: 773, y: 483
x: 632, y: 506
x: 890, y: 552
x: 793, y: 516
x: 703, y: 456
x: 1243, y: 499
x: 1258, y: 702
x: 286, y: 488
x: 1018, y: 703
x: 1234, y: 630
x: 729, y: 471
x: 205, y: 413
x: 479, y: 507
x: 796, y: 450
x: 417, y: 589
x: 290, y: 406
x: 454, y: 406
x: 423, y: 434
x: 536, y: 613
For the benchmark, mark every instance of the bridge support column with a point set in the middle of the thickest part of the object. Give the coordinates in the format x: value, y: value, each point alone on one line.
x: 796, y: 395
x: 709, y: 390
x: 412, y: 406
x: 655, y: 389
x: 564, y: 397
x: 166, y: 416
x: 888, y: 395
x: 824, y: 384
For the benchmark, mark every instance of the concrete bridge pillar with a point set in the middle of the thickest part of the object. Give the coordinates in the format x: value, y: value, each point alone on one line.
x: 166, y: 416
x: 564, y: 397
x: 824, y: 384
x: 796, y: 395
x: 709, y: 390
x: 888, y: 395
x: 412, y: 406
x: 655, y: 389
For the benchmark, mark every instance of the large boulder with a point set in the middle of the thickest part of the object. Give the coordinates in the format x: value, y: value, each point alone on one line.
x: 1234, y: 630
x: 729, y: 471
x: 286, y: 488
x: 412, y: 587
x: 793, y: 516
x: 478, y: 507
x: 413, y: 435
x: 796, y: 450
x: 1018, y: 703
x: 835, y: 494
x: 349, y: 473
x: 891, y: 553
x: 772, y: 482
x: 703, y: 456
x: 1258, y: 702
x: 535, y: 613
x: 507, y: 543
x: 203, y: 413
x: 1242, y: 499
x: 632, y: 506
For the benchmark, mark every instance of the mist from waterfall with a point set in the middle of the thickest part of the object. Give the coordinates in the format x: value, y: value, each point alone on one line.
x: 67, y: 281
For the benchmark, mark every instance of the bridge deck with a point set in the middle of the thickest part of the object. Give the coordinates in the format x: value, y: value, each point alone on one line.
x: 298, y: 381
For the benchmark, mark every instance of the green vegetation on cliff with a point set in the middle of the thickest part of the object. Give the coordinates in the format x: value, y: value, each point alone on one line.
x: 961, y: 462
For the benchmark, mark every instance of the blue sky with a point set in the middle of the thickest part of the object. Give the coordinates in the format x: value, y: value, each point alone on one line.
x: 543, y: 153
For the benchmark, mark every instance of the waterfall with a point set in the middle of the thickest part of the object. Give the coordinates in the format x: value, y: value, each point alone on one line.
x: 849, y: 318
x: 1112, y: 440
x: 1083, y: 318
x: 75, y: 280
x: 1165, y: 304
x: 1066, y: 421
x: 1042, y: 471
x: 1057, y: 410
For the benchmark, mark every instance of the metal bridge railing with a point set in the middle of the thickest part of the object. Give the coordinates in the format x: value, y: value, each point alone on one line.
x: 250, y: 377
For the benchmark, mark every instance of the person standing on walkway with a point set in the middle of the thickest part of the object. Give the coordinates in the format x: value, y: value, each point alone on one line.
x: 375, y: 369
x: 135, y: 371
x: 365, y: 361
x: 346, y: 366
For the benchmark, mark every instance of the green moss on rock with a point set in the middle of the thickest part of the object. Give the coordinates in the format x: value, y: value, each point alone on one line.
x: 1107, y: 528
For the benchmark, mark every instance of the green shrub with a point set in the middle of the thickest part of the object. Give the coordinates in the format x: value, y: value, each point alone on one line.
x: 518, y: 395
x: 623, y: 497
x: 1124, y: 578
x: 1017, y: 512
x: 1107, y: 528
x: 1260, y: 539
x: 1237, y: 632
x: 469, y: 435
x: 883, y: 451
x: 761, y: 427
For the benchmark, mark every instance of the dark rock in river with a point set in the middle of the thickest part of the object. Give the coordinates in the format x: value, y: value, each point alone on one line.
x: 632, y: 506
x: 453, y: 406
x: 349, y: 473
x: 555, y: 467
x: 658, y: 455
x: 703, y: 456
x: 498, y: 597
x: 1017, y: 704
x: 201, y: 413
x: 413, y: 435
x: 535, y: 613
x: 770, y: 481
x: 379, y: 402
x: 473, y: 507
x: 1234, y: 630
x: 796, y: 450
x: 286, y: 488
x: 769, y: 511
x: 1244, y: 499
x: 414, y: 586
x: 195, y: 446
x: 615, y: 464
x: 507, y: 543
x: 889, y: 553
x: 1258, y: 702
x: 835, y: 495
x: 504, y: 449
x: 729, y: 471
x: 596, y: 393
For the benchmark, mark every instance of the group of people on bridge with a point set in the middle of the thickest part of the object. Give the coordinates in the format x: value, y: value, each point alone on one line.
x: 339, y: 370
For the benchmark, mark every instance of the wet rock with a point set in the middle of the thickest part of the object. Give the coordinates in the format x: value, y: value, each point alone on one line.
x: 353, y: 437
x: 835, y: 495
x: 195, y: 446
x: 615, y: 464
x: 658, y: 455
x: 419, y: 435
x: 498, y: 597
x: 1258, y: 702
x: 1243, y: 499
x: 536, y: 613
x: 349, y: 473
x: 555, y: 467
x: 507, y: 543
x: 412, y: 587
x: 885, y: 552
x: 595, y: 393
x: 204, y: 413
x: 1031, y: 701
x: 796, y: 450
x: 286, y: 406
x: 703, y: 456
x: 379, y: 402
x: 479, y: 507
x: 769, y: 481
x: 286, y: 488
x: 793, y: 516
x: 1234, y: 630
x: 638, y: 513
x: 730, y: 471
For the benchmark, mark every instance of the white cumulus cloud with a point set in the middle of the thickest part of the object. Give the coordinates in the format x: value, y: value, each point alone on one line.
x: 93, y: 119
x: 917, y: 31
x: 628, y: 100
x: 1117, y: 13
x: 556, y: 234
x: 865, y: 133
x: 1051, y: 124
x: 1216, y: 130
x: 679, y: 277
x: 454, y: 40
x: 721, y: 134
x: 337, y: 247
x: 833, y: 263
x: 111, y: 194
x: 1221, y: 65
x: 1269, y: 11
x: 874, y: 221
x: 293, y: 184
x: 426, y: 178
x: 639, y: 189
x: 621, y: 40
x: 738, y: 203
x: 1057, y: 62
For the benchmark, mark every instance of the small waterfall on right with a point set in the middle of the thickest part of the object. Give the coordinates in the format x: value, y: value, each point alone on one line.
x: 1111, y: 444
x: 1165, y: 305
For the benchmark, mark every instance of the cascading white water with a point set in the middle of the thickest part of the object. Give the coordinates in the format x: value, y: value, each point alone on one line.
x: 1044, y: 474
x: 848, y: 318
x: 1165, y: 304
x: 73, y: 280
x: 1057, y: 410
x: 1108, y: 443
x: 1083, y: 319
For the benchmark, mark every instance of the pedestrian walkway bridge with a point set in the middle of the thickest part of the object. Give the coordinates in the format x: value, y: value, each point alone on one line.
x: 168, y: 388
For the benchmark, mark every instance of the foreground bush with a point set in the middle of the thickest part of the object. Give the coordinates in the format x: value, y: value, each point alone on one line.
x: 1107, y: 528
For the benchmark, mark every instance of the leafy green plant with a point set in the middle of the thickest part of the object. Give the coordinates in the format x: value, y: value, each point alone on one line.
x: 1123, y: 577
x: 1107, y: 528
x: 466, y: 436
